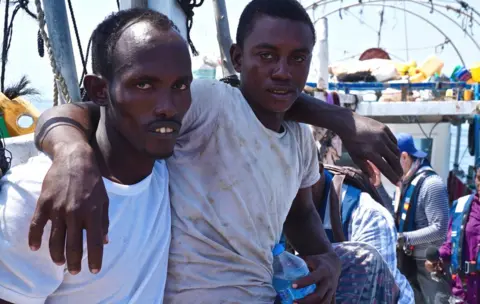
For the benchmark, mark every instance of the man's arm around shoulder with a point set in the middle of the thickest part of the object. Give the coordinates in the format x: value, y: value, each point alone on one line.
x: 364, y: 138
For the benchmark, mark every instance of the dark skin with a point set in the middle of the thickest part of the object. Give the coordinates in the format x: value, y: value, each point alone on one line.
x: 273, y: 64
x: 143, y: 96
x: 160, y: 91
x: 86, y: 190
x: 270, y: 108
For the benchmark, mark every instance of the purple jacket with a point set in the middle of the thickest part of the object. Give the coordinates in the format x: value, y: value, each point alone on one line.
x: 471, y: 246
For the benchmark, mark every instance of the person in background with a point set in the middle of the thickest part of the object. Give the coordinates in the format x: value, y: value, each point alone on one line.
x: 460, y: 254
x: 348, y: 193
x: 359, y: 218
x: 421, y: 215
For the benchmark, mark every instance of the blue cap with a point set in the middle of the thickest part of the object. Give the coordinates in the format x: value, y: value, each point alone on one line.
x: 278, y: 249
x: 406, y: 144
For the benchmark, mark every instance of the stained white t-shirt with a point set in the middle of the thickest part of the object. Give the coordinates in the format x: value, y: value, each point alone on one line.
x: 232, y: 183
x: 134, y: 262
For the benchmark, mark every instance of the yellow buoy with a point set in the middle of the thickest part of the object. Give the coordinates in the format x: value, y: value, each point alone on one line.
x: 20, y: 116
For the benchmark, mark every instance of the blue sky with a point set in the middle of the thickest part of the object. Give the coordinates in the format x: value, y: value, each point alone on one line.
x: 348, y: 36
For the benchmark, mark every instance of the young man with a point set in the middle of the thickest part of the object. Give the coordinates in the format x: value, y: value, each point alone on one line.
x: 236, y: 169
x: 138, y: 128
x: 421, y: 219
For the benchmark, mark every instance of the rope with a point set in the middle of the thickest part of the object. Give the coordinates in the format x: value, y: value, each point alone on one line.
x: 58, y: 78
x: 89, y: 46
x: 379, y: 33
x: 5, y: 44
x: 79, y: 43
x: 8, y: 32
x: 187, y: 7
x: 40, y: 45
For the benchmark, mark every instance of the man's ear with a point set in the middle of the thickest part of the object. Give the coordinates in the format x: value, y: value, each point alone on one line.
x: 97, y: 89
x: 236, y: 55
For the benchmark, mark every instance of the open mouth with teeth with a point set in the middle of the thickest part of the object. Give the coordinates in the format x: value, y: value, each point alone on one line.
x: 164, y: 130
x: 279, y: 91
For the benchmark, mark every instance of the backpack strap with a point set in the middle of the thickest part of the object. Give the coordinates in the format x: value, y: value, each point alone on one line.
x: 336, y: 209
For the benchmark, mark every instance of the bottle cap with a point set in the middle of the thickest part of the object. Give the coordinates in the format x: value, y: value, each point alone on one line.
x: 278, y: 249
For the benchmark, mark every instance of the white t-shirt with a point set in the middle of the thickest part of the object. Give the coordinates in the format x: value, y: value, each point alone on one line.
x: 232, y: 182
x: 134, y: 262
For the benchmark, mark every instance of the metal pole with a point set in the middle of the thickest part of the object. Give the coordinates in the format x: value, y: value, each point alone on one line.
x: 61, y: 42
x: 139, y: 3
x: 223, y: 36
x: 322, y: 31
x: 456, y: 164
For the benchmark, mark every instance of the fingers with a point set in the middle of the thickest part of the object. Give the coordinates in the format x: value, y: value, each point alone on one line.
x: 74, y: 246
x: 39, y: 220
x: 363, y: 165
x: 334, y: 299
x: 304, y: 281
x: 57, y: 240
x: 105, y: 221
x: 95, y: 237
x: 384, y: 167
x: 390, y: 135
x: 393, y: 159
x: 322, y: 295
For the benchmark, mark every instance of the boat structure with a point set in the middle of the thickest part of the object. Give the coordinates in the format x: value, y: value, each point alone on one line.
x: 419, y: 98
x: 423, y: 99
x: 18, y: 117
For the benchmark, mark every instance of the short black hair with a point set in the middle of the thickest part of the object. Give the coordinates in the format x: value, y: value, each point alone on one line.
x: 107, y: 33
x: 285, y: 9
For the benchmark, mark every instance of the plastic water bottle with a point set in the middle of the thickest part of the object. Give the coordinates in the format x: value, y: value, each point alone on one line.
x: 288, y: 268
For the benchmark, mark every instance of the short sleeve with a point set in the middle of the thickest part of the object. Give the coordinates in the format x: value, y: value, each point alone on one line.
x: 311, y: 169
x: 208, y: 98
x: 25, y: 276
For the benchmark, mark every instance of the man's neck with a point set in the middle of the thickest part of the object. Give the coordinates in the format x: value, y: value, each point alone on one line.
x: 117, y: 159
x: 270, y: 120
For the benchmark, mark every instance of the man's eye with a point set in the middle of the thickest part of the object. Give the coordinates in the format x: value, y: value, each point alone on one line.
x: 180, y: 86
x: 266, y: 56
x: 299, y: 58
x: 144, y: 85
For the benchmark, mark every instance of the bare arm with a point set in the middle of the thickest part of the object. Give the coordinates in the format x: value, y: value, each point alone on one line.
x: 364, y: 138
x: 78, y: 120
x: 303, y: 228
x: 63, y: 132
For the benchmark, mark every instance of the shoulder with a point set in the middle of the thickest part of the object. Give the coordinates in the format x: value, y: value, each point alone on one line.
x: 205, y: 90
x: 302, y: 133
x: 434, y: 181
x: 458, y: 205
x: 433, y: 185
x: 371, y: 208
x: 20, y: 189
x: 25, y: 180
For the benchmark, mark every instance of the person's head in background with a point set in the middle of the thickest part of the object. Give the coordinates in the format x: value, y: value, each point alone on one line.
x: 275, y: 39
x: 141, y: 79
x: 409, y: 153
